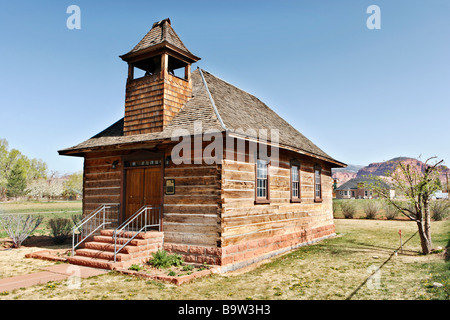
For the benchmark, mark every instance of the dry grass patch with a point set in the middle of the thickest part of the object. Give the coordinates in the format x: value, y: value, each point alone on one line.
x: 13, y: 262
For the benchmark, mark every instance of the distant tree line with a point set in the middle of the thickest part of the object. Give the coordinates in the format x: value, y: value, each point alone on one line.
x: 21, y: 177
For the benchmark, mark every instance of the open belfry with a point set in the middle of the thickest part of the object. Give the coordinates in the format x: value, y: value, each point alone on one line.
x: 152, y: 102
x: 225, y: 204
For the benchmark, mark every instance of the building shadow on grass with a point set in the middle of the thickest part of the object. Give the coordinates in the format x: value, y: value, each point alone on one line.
x: 447, y: 251
x: 378, y: 269
x: 361, y: 246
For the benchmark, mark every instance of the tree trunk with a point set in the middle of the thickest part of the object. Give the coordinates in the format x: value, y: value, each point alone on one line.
x: 425, y: 242
x: 427, y: 217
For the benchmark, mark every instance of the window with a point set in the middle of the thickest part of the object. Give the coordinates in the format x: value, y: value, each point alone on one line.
x: 345, y: 192
x: 317, y: 184
x: 142, y: 163
x: 262, y: 181
x: 295, y: 181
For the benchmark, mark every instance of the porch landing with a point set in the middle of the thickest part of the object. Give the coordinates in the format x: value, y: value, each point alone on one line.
x: 99, y: 253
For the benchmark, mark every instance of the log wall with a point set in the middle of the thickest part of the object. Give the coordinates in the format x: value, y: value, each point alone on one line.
x: 213, y: 218
x: 191, y: 217
x: 250, y: 230
x: 101, y: 183
x: 192, y: 214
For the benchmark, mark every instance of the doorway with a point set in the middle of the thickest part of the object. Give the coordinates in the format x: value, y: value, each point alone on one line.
x: 143, y: 187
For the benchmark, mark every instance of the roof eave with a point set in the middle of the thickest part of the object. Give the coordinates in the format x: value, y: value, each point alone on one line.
x: 335, y: 163
x: 79, y: 152
x: 131, y: 57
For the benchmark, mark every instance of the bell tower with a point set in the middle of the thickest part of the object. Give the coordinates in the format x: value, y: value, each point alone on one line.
x: 153, y: 98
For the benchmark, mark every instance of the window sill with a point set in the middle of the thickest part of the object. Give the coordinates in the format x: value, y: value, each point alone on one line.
x: 318, y: 200
x: 262, y: 201
x: 296, y: 200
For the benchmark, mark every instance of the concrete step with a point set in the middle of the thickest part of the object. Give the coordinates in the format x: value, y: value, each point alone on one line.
x: 134, y: 242
x: 99, y: 252
x: 121, y: 256
x: 104, y: 264
x: 93, y: 262
x: 105, y: 255
x: 141, y: 235
x: 107, y: 246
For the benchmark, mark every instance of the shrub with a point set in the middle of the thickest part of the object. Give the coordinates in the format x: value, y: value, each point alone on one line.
x: 348, y: 209
x: 61, y: 228
x: 135, y: 267
x: 188, y: 267
x: 176, y: 260
x: 76, y: 218
x: 19, y: 226
x: 371, y: 209
x: 162, y: 260
x: 390, y: 211
x: 439, y: 209
x: 335, y: 208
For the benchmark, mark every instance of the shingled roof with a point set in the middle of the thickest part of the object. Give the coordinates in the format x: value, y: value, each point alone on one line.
x: 161, y: 31
x: 353, y: 183
x: 221, y: 107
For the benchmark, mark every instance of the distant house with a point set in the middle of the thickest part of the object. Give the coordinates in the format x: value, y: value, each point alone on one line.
x: 439, y: 195
x: 359, y: 188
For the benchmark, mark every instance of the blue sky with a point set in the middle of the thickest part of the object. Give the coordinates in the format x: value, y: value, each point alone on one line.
x: 361, y: 95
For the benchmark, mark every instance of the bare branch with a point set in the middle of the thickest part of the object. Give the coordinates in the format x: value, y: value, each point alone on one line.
x: 19, y: 227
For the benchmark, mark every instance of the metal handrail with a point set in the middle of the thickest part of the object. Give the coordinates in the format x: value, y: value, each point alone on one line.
x: 138, y: 222
x: 99, y: 218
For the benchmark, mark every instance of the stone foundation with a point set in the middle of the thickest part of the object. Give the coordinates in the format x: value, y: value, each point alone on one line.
x: 237, y: 256
x: 196, y: 254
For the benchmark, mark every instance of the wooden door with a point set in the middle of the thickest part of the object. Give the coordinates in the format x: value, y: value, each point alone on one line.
x: 143, y: 187
x: 152, y: 186
x: 134, y: 191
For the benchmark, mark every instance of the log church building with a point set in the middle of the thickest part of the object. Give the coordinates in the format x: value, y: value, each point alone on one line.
x: 232, y: 206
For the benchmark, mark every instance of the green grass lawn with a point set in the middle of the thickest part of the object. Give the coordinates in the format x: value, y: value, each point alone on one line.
x: 40, y: 207
x: 336, y: 268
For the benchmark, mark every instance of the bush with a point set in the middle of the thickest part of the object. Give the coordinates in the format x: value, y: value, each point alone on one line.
x: 390, y: 211
x: 335, y: 208
x: 76, y: 218
x: 176, y: 260
x: 188, y: 267
x: 162, y: 260
x: 439, y: 209
x: 19, y: 226
x: 348, y: 209
x: 61, y: 229
x: 135, y: 267
x: 371, y: 209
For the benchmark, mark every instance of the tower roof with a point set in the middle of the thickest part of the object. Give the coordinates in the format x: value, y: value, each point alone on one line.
x: 161, y: 35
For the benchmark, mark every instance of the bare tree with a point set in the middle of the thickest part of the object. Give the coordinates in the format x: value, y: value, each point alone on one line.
x: 416, y: 186
x: 19, y: 226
